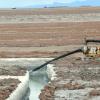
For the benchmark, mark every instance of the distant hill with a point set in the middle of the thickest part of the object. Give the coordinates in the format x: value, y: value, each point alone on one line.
x: 73, y: 4
x: 78, y: 3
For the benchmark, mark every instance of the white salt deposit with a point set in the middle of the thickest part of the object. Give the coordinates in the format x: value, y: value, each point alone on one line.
x: 21, y: 90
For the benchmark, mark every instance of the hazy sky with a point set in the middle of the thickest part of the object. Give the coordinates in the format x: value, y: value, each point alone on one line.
x: 23, y: 3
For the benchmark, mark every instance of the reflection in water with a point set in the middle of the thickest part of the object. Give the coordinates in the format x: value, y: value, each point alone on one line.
x: 37, y: 81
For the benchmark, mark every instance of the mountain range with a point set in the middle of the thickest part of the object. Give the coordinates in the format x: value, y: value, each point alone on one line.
x: 73, y: 4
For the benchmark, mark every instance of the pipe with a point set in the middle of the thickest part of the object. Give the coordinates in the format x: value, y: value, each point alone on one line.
x: 91, y: 40
x: 57, y: 58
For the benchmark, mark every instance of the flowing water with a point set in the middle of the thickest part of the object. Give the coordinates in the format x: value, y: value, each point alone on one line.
x: 37, y: 82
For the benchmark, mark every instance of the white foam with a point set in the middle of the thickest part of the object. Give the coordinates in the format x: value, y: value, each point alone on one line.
x: 50, y: 71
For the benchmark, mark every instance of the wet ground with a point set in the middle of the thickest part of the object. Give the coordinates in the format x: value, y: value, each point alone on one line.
x: 76, y: 79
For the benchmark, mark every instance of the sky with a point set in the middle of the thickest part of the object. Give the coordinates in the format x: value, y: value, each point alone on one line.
x: 26, y: 3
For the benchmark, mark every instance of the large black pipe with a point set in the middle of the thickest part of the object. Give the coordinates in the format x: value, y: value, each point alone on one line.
x: 57, y: 58
x: 91, y: 40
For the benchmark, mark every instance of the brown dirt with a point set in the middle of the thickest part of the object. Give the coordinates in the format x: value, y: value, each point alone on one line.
x: 49, y: 11
x: 69, y: 71
x: 47, y: 34
x: 12, y: 70
x: 95, y: 92
x: 7, y: 86
x: 44, y: 35
x: 47, y: 93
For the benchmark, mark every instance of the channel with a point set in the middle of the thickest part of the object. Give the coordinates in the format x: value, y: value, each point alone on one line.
x: 37, y: 80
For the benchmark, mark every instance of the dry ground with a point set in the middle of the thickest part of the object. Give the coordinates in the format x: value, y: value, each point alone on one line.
x: 7, y: 86
x: 22, y: 40
x: 49, y: 11
x: 37, y: 33
x: 47, y: 38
